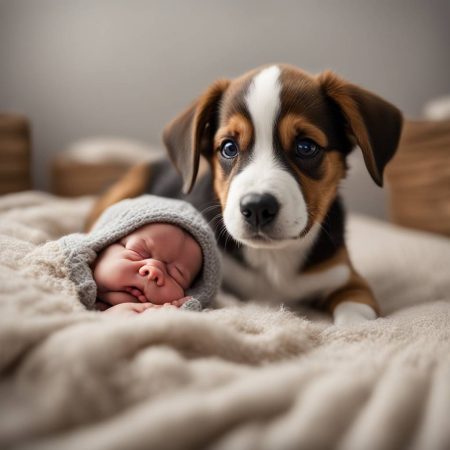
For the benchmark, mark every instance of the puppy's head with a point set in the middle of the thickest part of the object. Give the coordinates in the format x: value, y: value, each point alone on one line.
x: 277, y: 140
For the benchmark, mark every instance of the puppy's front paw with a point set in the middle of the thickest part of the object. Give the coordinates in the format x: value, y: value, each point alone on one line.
x: 351, y: 313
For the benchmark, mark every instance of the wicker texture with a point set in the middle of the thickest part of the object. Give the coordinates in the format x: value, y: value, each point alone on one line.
x: 73, y: 179
x: 419, y: 177
x: 14, y: 154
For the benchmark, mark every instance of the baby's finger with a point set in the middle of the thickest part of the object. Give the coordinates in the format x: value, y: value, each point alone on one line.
x: 141, y: 307
x: 181, y: 301
x: 165, y: 306
x: 152, y: 307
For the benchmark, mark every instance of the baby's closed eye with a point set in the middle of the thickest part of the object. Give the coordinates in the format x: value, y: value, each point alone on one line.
x: 137, y: 246
x: 178, y: 275
x: 135, y: 252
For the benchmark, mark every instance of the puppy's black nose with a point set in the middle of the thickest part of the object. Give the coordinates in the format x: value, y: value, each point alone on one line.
x: 259, y: 209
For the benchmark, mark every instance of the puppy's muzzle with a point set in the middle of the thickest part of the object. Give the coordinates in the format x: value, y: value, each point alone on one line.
x: 259, y: 210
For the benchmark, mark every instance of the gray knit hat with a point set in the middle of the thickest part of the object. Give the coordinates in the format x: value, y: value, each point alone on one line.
x: 127, y: 216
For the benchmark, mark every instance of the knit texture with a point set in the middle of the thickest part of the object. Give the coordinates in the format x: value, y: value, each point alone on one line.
x: 127, y: 216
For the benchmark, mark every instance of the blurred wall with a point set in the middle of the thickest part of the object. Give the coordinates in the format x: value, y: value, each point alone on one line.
x: 81, y: 68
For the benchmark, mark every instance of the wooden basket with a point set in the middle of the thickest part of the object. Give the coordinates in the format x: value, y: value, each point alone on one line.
x: 418, y: 177
x: 15, y: 154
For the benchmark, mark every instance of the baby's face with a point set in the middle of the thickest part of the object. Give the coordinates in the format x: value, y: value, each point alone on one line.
x: 155, y: 263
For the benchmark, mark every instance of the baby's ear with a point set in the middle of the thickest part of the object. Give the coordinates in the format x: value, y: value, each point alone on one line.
x: 192, y: 305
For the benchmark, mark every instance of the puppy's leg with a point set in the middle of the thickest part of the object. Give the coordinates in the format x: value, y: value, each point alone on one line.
x: 353, y: 302
x: 132, y: 184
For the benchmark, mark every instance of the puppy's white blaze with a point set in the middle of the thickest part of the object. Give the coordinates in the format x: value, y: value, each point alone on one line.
x: 264, y: 174
x: 263, y: 103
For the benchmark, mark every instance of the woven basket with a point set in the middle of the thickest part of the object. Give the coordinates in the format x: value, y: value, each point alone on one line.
x: 418, y: 177
x: 89, y: 166
x: 73, y: 179
x: 15, y: 153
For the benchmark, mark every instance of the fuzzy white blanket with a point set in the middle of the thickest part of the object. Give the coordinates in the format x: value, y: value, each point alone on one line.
x: 244, y: 376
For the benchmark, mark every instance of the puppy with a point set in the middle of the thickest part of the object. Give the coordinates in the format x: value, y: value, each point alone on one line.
x: 276, y: 142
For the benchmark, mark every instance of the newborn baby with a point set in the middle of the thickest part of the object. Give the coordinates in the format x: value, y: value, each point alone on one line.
x: 142, y: 253
x: 153, y: 265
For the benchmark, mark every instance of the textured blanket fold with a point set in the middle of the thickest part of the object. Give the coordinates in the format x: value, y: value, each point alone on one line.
x: 243, y: 376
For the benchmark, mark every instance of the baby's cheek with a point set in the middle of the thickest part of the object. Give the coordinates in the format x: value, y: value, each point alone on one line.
x: 178, y: 293
x: 108, y: 273
x: 168, y: 293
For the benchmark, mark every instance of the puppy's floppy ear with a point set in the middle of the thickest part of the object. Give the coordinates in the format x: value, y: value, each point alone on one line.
x: 374, y: 123
x: 192, y: 132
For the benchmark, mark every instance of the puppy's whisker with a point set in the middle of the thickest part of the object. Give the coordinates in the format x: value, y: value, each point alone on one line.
x: 228, y: 237
x: 209, y: 208
x: 226, y: 241
x: 224, y: 233
x: 216, y: 218
x: 220, y: 231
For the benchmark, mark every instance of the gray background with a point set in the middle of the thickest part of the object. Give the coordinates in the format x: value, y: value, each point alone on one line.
x: 85, y: 68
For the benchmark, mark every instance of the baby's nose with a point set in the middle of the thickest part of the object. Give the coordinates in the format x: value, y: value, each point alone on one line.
x: 153, y: 273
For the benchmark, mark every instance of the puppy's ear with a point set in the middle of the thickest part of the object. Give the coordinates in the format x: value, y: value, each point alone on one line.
x: 192, y: 132
x: 374, y: 123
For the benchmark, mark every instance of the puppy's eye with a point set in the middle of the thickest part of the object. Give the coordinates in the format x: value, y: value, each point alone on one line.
x: 229, y: 149
x: 306, y: 148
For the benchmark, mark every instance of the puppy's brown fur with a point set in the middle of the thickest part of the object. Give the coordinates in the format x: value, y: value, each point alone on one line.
x: 325, y: 109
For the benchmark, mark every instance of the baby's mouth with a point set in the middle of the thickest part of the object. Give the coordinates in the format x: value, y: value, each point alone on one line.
x: 138, y: 294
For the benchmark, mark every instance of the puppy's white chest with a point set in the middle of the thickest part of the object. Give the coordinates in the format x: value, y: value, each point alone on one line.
x: 277, y: 268
x: 275, y: 275
x: 268, y: 280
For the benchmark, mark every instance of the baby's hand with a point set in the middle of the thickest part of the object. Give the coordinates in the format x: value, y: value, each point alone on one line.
x: 173, y: 304
x: 128, y: 309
